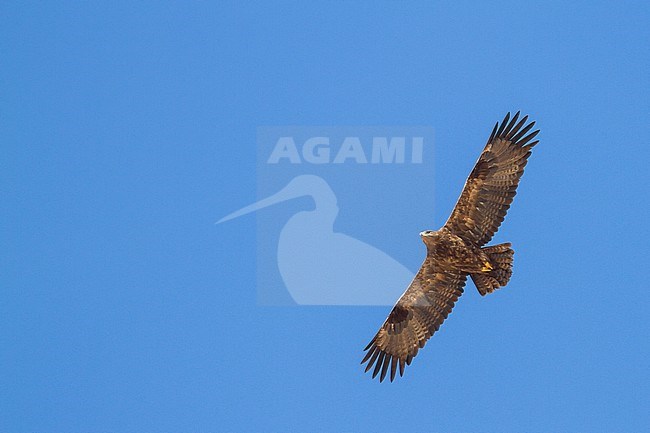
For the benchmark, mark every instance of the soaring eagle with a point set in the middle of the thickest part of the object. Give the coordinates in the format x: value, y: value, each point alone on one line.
x: 457, y: 250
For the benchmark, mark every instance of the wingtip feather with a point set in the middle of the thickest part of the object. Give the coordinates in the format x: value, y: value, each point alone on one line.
x: 380, y: 361
x: 384, y: 368
x: 368, y: 355
x: 504, y: 122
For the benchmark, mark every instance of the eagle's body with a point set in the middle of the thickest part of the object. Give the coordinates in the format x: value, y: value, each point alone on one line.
x: 451, y: 252
x: 457, y: 250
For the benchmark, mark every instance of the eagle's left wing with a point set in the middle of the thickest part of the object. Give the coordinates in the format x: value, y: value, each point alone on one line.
x: 419, y: 312
x: 493, y: 182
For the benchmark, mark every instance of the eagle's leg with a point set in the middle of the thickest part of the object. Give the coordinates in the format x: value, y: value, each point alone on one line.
x: 497, y: 271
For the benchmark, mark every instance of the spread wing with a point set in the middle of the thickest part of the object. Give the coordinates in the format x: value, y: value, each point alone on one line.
x: 419, y: 312
x: 493, y: 182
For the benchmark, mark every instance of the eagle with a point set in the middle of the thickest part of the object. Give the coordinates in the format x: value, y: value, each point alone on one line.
x: 457, y: 250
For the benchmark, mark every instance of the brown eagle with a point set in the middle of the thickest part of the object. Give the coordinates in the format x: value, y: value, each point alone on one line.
x: 457, y: 250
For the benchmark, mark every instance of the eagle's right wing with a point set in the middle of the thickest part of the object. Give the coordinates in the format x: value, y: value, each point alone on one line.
x: 493, y: 182
x: 419, y: 312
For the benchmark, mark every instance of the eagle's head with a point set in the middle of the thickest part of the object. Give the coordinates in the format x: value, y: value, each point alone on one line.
x: 429, y: 236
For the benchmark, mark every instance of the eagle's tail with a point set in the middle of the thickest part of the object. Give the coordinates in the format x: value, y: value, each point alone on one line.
x: 501, y: 258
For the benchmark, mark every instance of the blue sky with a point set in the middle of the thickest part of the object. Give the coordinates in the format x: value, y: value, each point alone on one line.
x: 128, y: 129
